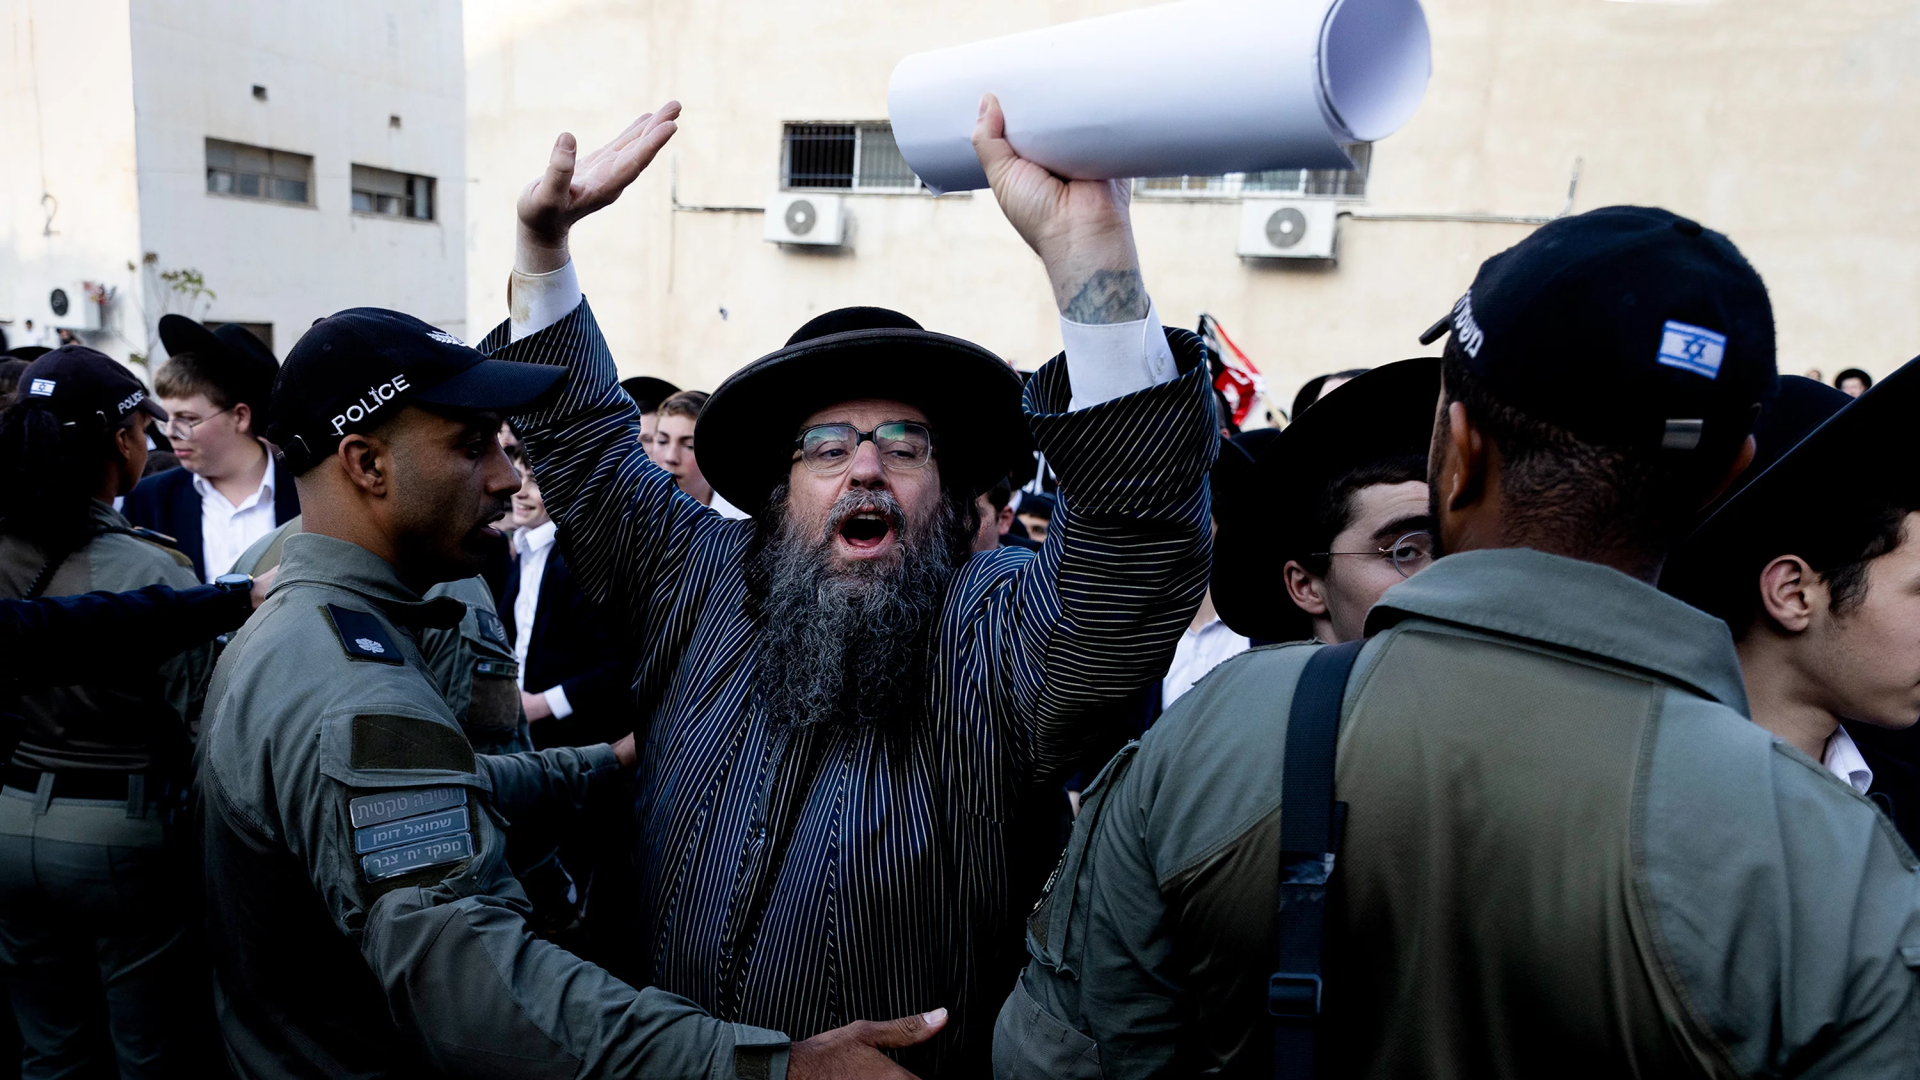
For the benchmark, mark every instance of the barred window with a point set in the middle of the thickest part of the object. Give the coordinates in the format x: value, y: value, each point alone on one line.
x: 254, y: 172
x: 392, y: 194
x: 1328, y: 183
x: 844, y: 157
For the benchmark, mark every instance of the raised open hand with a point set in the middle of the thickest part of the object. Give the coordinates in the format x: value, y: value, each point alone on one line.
x: 1080, y: 228
x: 574, y: 186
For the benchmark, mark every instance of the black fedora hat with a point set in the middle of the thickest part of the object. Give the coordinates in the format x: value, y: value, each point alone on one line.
x: 970, y: 396
x: 242, y: 363
x: 28, y: 353
x: 1820, y: 453
x: 647, y: 391
x: 1384, y: 414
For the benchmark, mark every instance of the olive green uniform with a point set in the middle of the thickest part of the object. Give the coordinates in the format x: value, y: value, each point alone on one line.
x: 363, y: 919
x: 89, y: 897
x: 1568, y: 853
x: 472, y: 663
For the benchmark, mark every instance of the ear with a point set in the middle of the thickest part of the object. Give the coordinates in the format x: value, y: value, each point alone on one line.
x: 1005, y: 519
x: 1788, y: 588
x: 1307, y: 591
x: 367, y: 461
x: 1464, y: 476
x: 243, y: 418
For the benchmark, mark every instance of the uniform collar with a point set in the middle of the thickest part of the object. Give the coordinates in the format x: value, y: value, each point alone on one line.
x: 1575, y: 605
x: 105, y: 514
x: 323, y: 560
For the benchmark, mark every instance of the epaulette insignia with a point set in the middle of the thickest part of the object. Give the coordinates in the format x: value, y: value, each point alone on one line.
x: 156, y: 536
x: 492, y: 628
x: 363, y: 635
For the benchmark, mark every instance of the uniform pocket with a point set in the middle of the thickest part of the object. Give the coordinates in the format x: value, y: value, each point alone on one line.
x: 494, y: 698
x: 1047, y: 926
x: 1030, y: 1042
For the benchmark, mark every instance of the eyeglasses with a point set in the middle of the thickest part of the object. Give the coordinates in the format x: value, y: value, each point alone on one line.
x: 183, y: 429
x: 1410, y: 554
x: 829, y: 448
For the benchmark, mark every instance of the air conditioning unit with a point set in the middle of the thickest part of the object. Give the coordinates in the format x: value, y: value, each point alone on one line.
x: 1287, y: 228
x: 806, y: 217
x: 79, y: 305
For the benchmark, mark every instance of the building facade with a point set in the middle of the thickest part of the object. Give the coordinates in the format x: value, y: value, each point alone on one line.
x: 261, y: 163
x: 1785, y: 124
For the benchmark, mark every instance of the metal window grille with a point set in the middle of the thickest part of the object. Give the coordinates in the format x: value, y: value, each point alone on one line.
x: 254, y: 172
x: 1328, y: 183
x: 844, y: 157
x: 392, y: 194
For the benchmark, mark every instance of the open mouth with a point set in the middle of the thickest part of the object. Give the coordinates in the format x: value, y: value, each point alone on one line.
x: 866, y: 530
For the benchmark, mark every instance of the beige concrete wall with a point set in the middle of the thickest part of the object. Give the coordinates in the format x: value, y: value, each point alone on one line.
x: 1787, y: 124
x: 66, y: 132
x: 335, y: 74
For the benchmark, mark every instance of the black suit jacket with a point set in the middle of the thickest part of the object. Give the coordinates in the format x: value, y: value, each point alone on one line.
x: 575, y: 648
x: 167, y: 503
x: 1891, y: 754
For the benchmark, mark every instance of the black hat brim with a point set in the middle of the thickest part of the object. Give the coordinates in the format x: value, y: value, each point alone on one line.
x: 243, y: 363
x: 1384, y: 414
x: 1853, y: 453
x: 971, y: 399
x: 29, y: 353
x: 501, y: 386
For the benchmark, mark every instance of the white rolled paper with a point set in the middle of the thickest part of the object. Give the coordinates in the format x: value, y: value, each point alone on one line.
x: 1195, y: 88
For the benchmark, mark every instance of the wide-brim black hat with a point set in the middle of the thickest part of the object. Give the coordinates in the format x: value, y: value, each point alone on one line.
x: 241, y: 363
x: 647, y: 390
x: 1819, y: 451
x: 971, y: 399
x: 29, y: 353
x: 1384, y: 414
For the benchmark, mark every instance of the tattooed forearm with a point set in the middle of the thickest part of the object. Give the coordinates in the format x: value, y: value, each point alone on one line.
x: 1108, y: 296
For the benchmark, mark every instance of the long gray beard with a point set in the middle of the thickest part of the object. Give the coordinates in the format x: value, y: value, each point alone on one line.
x: 849, y: 648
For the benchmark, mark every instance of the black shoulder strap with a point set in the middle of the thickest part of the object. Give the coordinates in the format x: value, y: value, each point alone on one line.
x: 1310, y: 823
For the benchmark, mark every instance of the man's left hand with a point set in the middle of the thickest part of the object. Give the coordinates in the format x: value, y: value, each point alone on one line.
x: 573, y: 187
x: 1080, y: 228
x: 626, y: 753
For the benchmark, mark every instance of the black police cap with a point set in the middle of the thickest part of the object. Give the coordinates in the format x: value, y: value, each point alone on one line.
x: 1626, y: 326
x: 355, y: 369
x: 78, y: 384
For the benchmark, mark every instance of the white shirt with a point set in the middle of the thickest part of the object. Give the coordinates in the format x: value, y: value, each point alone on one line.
x: 1104, y: 361
x: 725, y: 509
x: 534, y: 545
x: 1844, y: 760
x: 226, y: 530
x: 1199, y: 652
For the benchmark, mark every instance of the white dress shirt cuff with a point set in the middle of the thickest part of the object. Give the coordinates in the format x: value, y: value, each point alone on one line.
x: 1110, y: 360
x: 557, y: 701
x: 537, y: 301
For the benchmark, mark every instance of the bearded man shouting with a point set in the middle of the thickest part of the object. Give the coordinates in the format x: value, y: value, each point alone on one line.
x: 845, y: 711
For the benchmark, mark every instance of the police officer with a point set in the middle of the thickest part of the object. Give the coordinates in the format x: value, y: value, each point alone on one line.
x: 362, y: 917
x: 89, y: 898
x: 472, y: 664
x: 1567, y: 851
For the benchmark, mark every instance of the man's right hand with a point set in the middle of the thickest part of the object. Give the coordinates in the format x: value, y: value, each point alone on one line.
x: 571, y: 189
x: 854, y: 1051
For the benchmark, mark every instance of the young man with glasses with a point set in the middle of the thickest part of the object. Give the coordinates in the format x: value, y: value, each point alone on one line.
x: 226, y: 494
x: 1335, y: 512
x: 849, y: 712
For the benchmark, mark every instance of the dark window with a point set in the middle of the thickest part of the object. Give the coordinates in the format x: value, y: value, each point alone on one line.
x: 1329, y: 183
x: 261, y: 330
x: 392, y: 194
x: 844, y: 157
x: 254, y: 172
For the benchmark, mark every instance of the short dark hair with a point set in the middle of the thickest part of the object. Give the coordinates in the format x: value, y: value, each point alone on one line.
x: 687, y: 403
x: 1838, y: 539
x: 1333, y: 512
x: 1000, y: 494
x: 1581, y: 498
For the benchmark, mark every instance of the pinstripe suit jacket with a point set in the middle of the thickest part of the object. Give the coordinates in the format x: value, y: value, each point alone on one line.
x: 803, y: 879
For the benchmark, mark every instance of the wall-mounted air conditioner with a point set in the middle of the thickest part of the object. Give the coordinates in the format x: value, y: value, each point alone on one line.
x: 806, y: 217
x: 77, y: 305
x: 1288, y: 228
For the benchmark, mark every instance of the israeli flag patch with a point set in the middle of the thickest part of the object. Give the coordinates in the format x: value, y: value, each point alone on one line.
x: 1692, y: 348
x: 40, y: 388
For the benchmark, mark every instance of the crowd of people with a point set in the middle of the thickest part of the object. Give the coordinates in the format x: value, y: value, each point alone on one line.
x: 1540, y: 707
